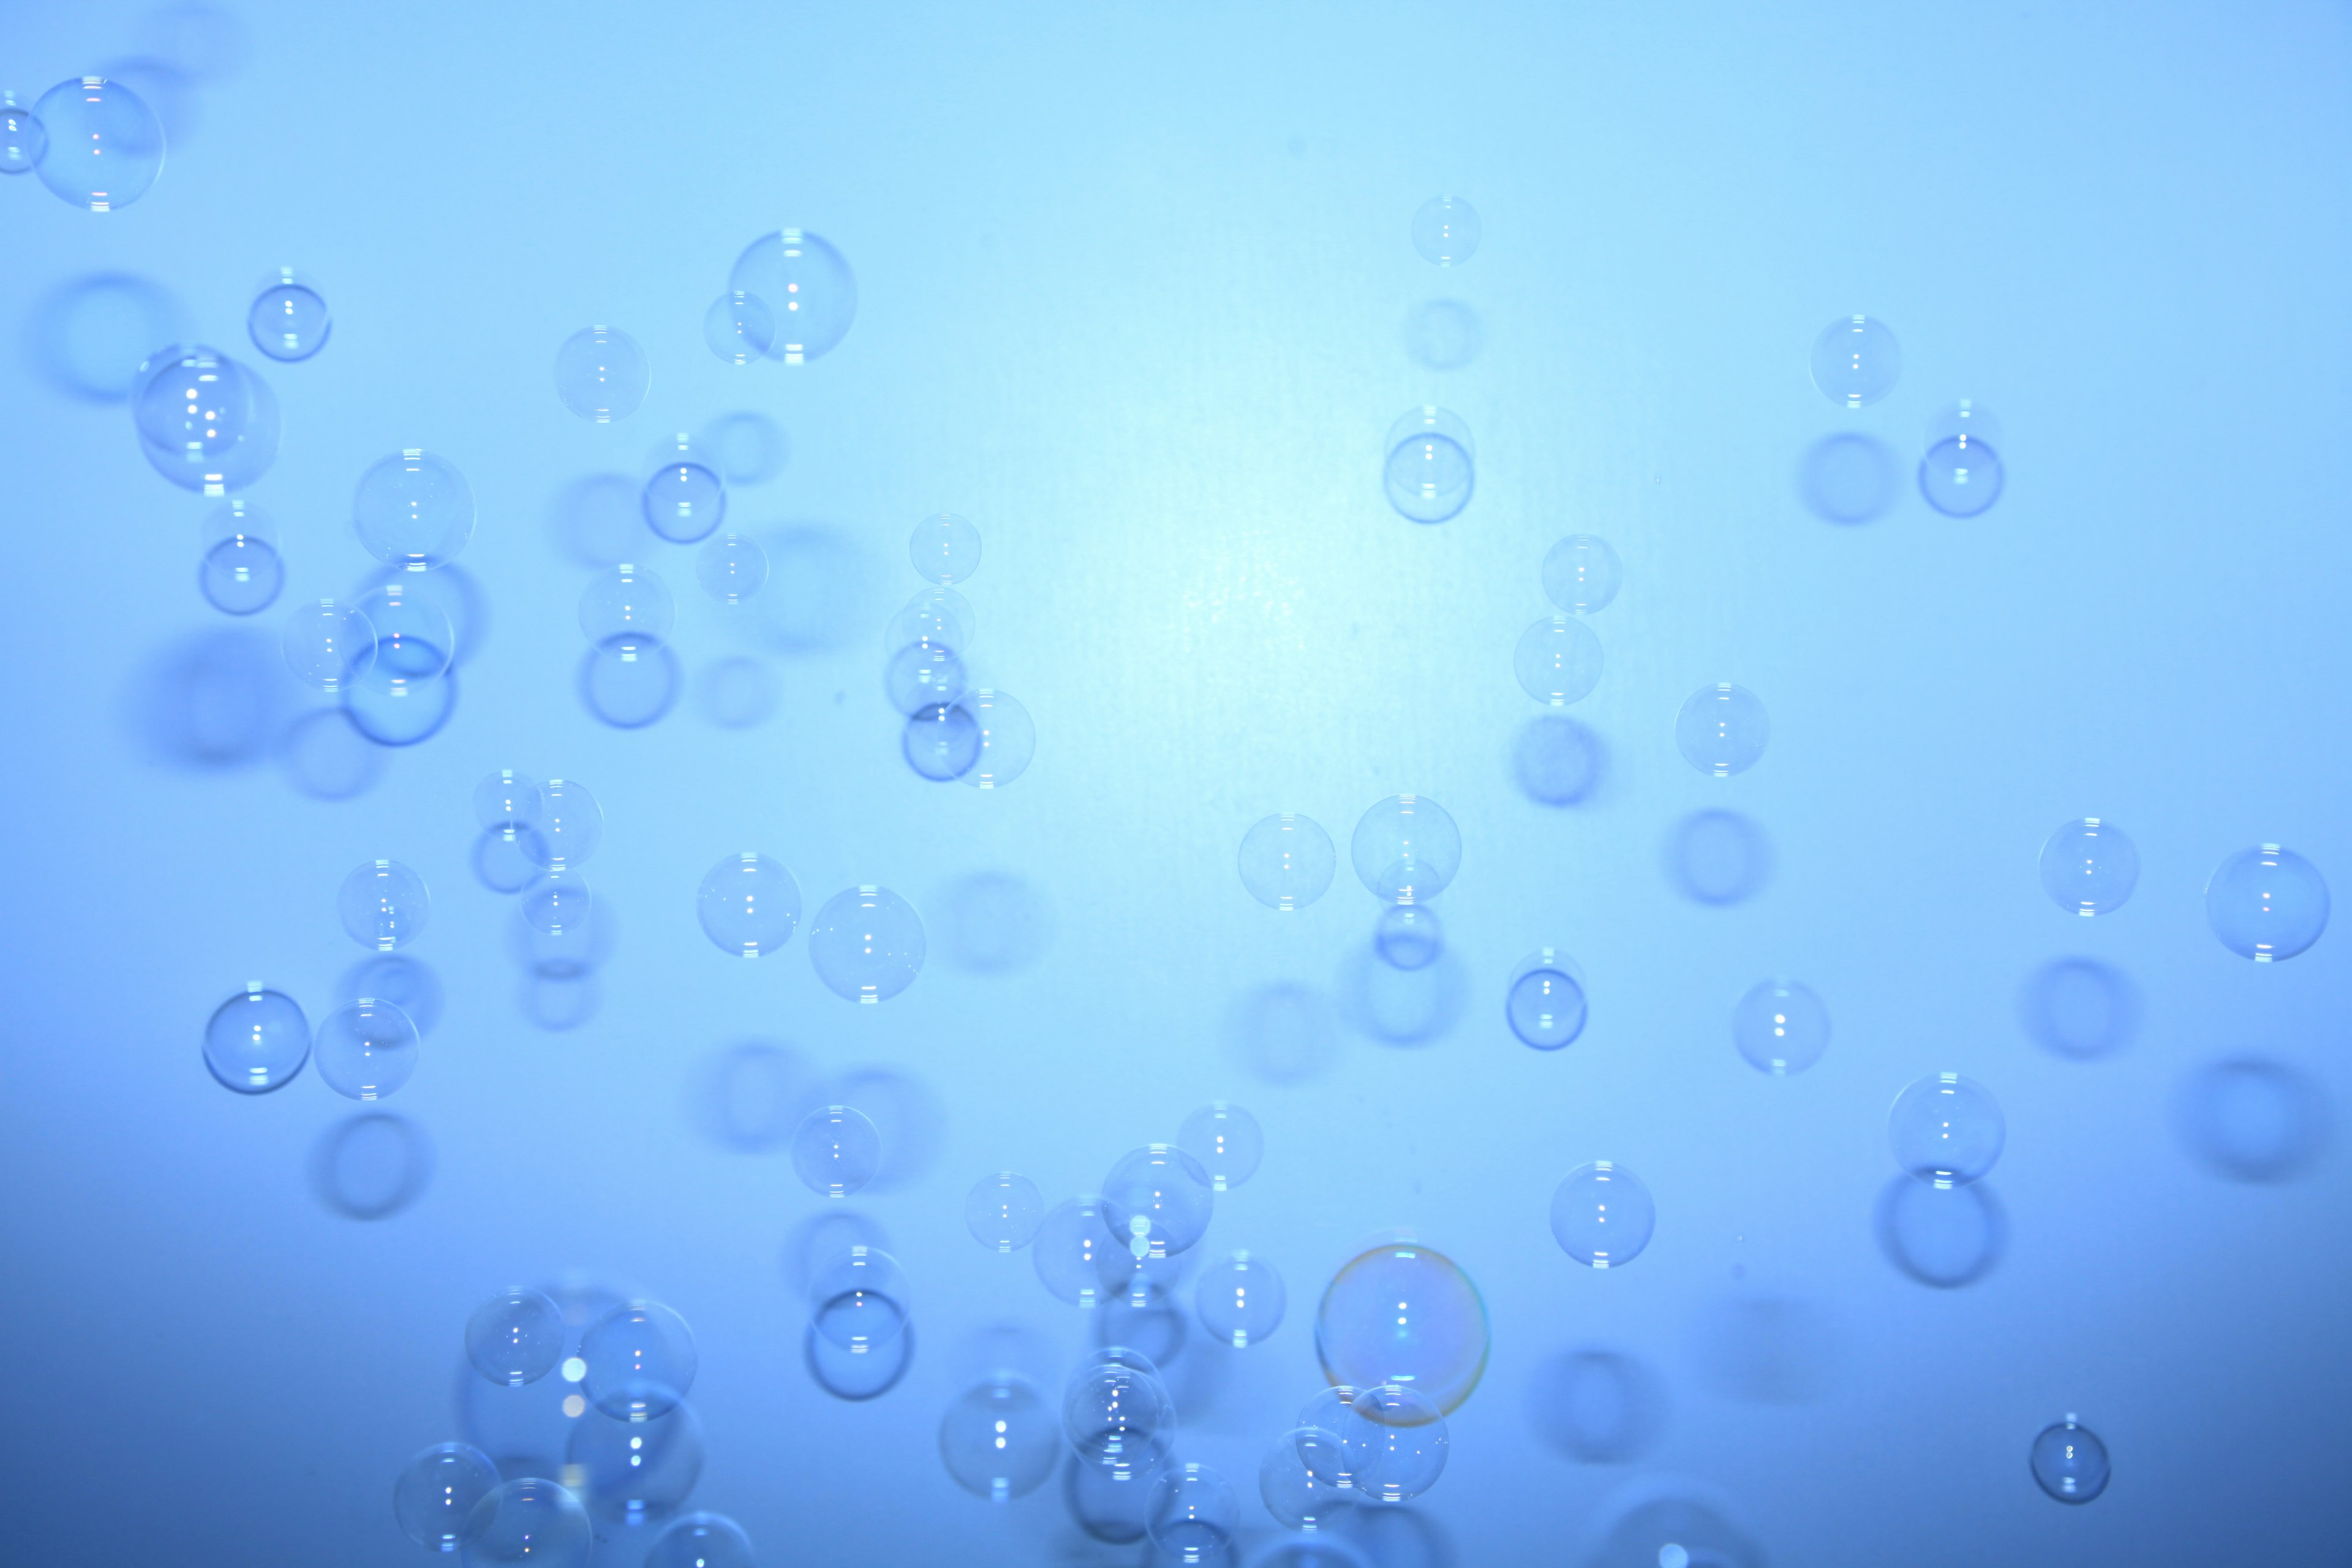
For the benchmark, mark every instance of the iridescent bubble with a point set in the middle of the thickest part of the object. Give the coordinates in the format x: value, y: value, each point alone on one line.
x: 105, y: 145
x: 1305, y: 1480
x: 1118, y: 1418
x: 639, y: 1361
x: 2090, y: 867
x: 383, y: 905
x: 1780, y: 1027
x: 701, y: 1541
x: 528, y: 1523
x: 1962, y: 474
x: 1287, y: 861
x: 1226, y: 1141
x: 1396, y: 1442
x: 558, y: 902
x: 240, y: 571
x: 1192, y: 1513
x: 1004, y: 1211
x: 506, y: 799
x: 1406, y: 848
x: 256, y: 1040
x: 627, y: 598
x: 571, y: 824
x: 684, y: 498
x: 1240, y: 1299
x: 1722, y: 730
x: 1581, y: 574
x: 515, y: 1338
x: 738, y: 327
x: 1158, y: 1199
x: 1008, y: 739
x: 1077, y: 1259
x: 601, y: 374
x: 1544, y: 1003
x: 1856, y: 361
x: 366, y: 1049
x: 2267, y: 904
x: 1946, y: 1130
x: 945, y: 548
x: 749, y: 904
x: 1403, y: 1313
x: 1431, y: 467
x: 436, y: 1493
x: 2069, y: 1462
x: 1408, y: 936
x: 999, y: 1441
x: 837, y: 1151
x: 1445, y: 231
x: 858, y: 1299
x: 941, y: 743
x: 1602, y: 1215
x: 24, y: 139
x: 731, y: 567
x: 866, y: 944
x: 1557, y: 661
x: 288, y: 319
x: 205, y: 422
x: 807, y: 287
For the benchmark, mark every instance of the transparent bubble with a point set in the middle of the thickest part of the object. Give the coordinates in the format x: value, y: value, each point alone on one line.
x: 24, y: 139
x: 257, y: 1041
x: 738, y: 327
x: 1408, y: 936
x: 1405, y: 1313
x: 506, y: 799
x: 205, y: 422
x: 1601, y: 1215
x: 412, y: 510
x: 934, y: 618
x: 1946, y: 1130
x: 807, y: 287
x: 941, y: 743
x: 105, y: 145
x: 528, y: 1523
x: 749, y: 904
x: 731, y: 567
x: 630, y: 680
x: 684, y: 498
x: 835, y: 1151
x: 383, y: 905
x: 1109, y: 1506
x: 1287, y: 861
x: 1305, y: 1481
x: 1118, y: 1418
x: 394, y: 706
x: 601, y: 374
x: 945, y: 548
x: 2070, y: 1462
x: 637, y: 1362
x: 366, y: 1049
x: 1004, y: 1211
x: 1158, y: 1199
x: 866, y: 944
x: 858, y: 1299
x: 627, y: 598
x: 1008, y: 739
x: 2090, y: 867
x: 1406, y: 848
x: 1192, y: 1513
x: 288, y: 319
x: 1856, y: 361
x: 639, y: 1471
x: 1962, y: 474
x: 1544, y: 1003
x: 925, y: 675
x: 413, y: 638
x: 1722, y: 730
x: 239, y: 573
x: 436, y: 1493
x: 1781, y: 1026
x: 1077, y: 1259
x: 1225, y: 1141
x: 1431, y: 468
x: 2267, y: 904
x: 1557, y: 661
x: 516, y: 1337
x: 1396, y: 1441
x: 701, y: 1541
x: 1445, y: 231
x: 1581, y: 574
x: 1240, y: 1299
x: 571, y: 824
x: 999, y: 1441
x: 558, y: 900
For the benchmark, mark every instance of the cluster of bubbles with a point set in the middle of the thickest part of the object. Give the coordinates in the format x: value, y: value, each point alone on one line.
x: 952, y: 728
x: 1856, y: 361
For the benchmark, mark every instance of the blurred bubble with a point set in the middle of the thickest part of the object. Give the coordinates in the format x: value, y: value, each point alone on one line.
x: 1722, y: 730
x: 627, y: 598
x: 1240, y: 1299
x: 1717, y: 858
x: 1142, y: 1318
x: 1444, y: 334
x: 639, y: 1361
x: 326, y: 757
x: 1117, y: 1417
x: 1002, y: 1211
x: 941, y: 743
x: 2267, y: 904
x: 1396, y: 1442
x: 24, y: 139
x: 205, y: 422
x: 750, y: 1096
x: 738, y: 327
x: 288, y: 319
x: 436, y: 1493
x: 866, y: 944
x: 2079, y: 1009
x: 90, y: 335
x: 371, y: 1166
x: 1403, y: 1313
x: 1761, y: 1348
x: 1946, y: 1131
x: 514, y: 1338
x: 807, y: 286
x: 366, y: 1049
x: 857, y: 1375
x: 1581, y: 574
x: 207, y: 701
x: 1110, y: 1505
x: 1225, y: 1141
x: 737, y: 692
x: 1602, y: 1215
x: 2069, y: 1462
x: 750, y: 448
x: 1544, y: 1003
x: 412, y: 510
x: 396, y: 978
x: 601, y: 374
x: 106, y: 146
x: 1557, y: 661
x: 701, y: 1541
x: 1157, y: 1200
x: 1781, y: 1026
x: 684, y: 498
x: 1597, y: 1406
x: 1430, y: 468
x: 818, y: 587
x: 944, y: 548
x: 1445, y: 231
x: 2089, y: 868
x: 558, y: 900
x: 999, y: 1440
x: 1304, y: 1479
x: 1664, y: 1524
x: 837, y: 1151
x: 629, y: 681
x: 1287, y: 861
x: 1847, y: 478
x: 859, y: 1299
x: 1962, y: 475
x: 2251, y: 1120
x: 530, y: 1521
x: 1077, y: 1259
x: 1556, y: 760
x: 1856, y: 361
x: 1008, y: 738
x: 1282, y: 1033
x: 257, y: 1041
x: 1193, y: 1514
x: 730, y: 567
x: 1943, y: 1237
x: 1406, y: 848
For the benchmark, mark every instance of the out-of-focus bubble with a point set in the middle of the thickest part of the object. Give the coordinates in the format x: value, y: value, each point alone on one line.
x: 684, y: 498
x: 1157, y: 1200
x: 1665, y: 1526
x: 1007, y: 738
x: 92, y: 335
x: 1722, y: 730
x: 436, y: 1493
x: 807, y: 287
x: 701, y: 1541
x: 2251, y: 1120
x: 105, y: 144
x: 1193, y: 1514
x: 1240, y: 1299
x: 1947, y: 1130
x: 1118, y: 1416
x: 1077, y: 1259
x: 935, y: 618
x: 925, y: 675
x: 866, y: 944
x: 1581, y: 574
x: 1287, y: 861
x: 601, y: 374
x: 1406, y: 848
x: 371, y: 1166
x: 1602, y: 1215
x: 1717, y: 858
x: 2089, y: 867
x: 2267, y: 904
x: 639, y: 1361
x: 1962, y: 475
x: 859, y: 1299
x: 1945, y: 1238
x: 1403, y: 1313
x: 1303, y: 1478
x: 559, y: 901
x: 1225, y: 1141
x: 1444, y: 334
x: 515, y: 1338
x: 1445, y: 231
x: 835, y: 1151
x: 1396, y: 1441
x: 1108, y: 1505
x: 1002, y: 1211
x: 366, y: 1049
x: 731, y: 567
x: 857, y: 1374
x: 639, y: 1471
x: 412, y: 510
x: 738, y: 327
x: 2079, y: 1009
x: 1597, y: 1405
x: 1429, y: 465
x: 749, y: 904
x: 750, y: 448
x: 1556, y: 760
x: 383, y: 905
x: 1781, y: 1026
x: 999, y: 1441
x: 944, y: 548
x: 571, y: 824
x: 1544, y: 1003
x: 627, y: 598
x: 24, y: 139
x: 630, y: 680
x: 1142, y: 1316
x: 205, y: 422
x: 1856, y: 361
x: 288, y: 319
x: 941, y: 743
x: 257, y: 1041
x: 1557, y: 661
x: 2069, y: 1462
x: 1847, y: 478
x: 240, y: 572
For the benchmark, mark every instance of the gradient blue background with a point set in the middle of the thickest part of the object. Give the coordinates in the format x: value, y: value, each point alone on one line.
x: 1133, y: 282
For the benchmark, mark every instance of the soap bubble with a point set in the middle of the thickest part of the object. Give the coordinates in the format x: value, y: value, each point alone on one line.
x: 1722, y: 730
x: 571, y: 824
x: 1396, y: 1442
x: 105, y: 145
x: 1946, y: 1130
x: 1544, y: 1003
x: 257, y: 1041
x: 701, y: 1541
x: 1004, y: 1211
x: 731, y: 567
x: 1158, y: 1199
x: 2089, y: 868
x: 627, y: 598
x: 1118, y: 1418
x: 1405, y: 1313
x: 1328, y: 1411
x: 629, y: 681
x: 1431, y: 467
x: 2070, y: 1462
x: 436, y: 1491
x: 288, y: 319
x: 925, y: 675
x: 684, y: 498
x: 1856, y: 361
x: 858, y: 1299
x: 1781, y: 1026
x: 1962, y: 474
x: 414, y: 640
x: 1008, y: 739
x: 205, y: 422
x: 24, y: 139
x: 366, y: 1049
x: 1445, y: 231
x: 1240, y: 1299
x: 738, y: 327
x: 1077, y: 1259
x: 934, y: 618
x: 639, y: 1361
x: 383, y: 905
x: 528, y: 1523
x: 1406, y: 848
x: 637, y: 1471
x: 999, y: 1441
x: 866, y: 944
x: 1287, y: 861
x: 240, y: 572
x: 412, y: 510
x: 749, y: 904
x: 1109, y: 1506
x: 807, y: 287
x: 1225, y: 1141
x: 1557, y: 661
x: 2267, y: 904
x: 1304, y: 1479
x: 506, y: 799
x: 2251, y: 1120
x: 1192, y: 1513
x: 327, y: 645
x: 1581, y: 574
x: 601, y: 374
x: 945, y: 548
x: 516, y: 1337
x: 941, y: 743
x: 557, y: 900
x: 1408, y: 936
x: 835, y: 1151
x: 1602, y: 1215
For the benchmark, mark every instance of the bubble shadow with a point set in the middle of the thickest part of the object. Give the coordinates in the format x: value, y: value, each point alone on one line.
x: 1403, y: 1006
x: 737, y: 692
x: 750, y: 1095
x: 1396, y: 1535
x: 1717, y: 858
x: 1557, y: 761
x: 1848, y: 478
x: 1111, y: 1511
x: 1283, y: 1034
x: 371, y: 1165
x: 1947, y: 1238
x: 207, y: 702
x: 597, y: 520
x: 995, y: 922
x: 87, y: 336
x: 1597, y: 1405
x: 2079, y: 1009
x: 630, y: 681
x: 2251, y: 1119
x: 326, y: 757
x: 818, y: 592
x: 857, y: 1378
x: 1764, y: 1349
x: 904, y: 1112
x: 406, y: 982
x: 400, y: 714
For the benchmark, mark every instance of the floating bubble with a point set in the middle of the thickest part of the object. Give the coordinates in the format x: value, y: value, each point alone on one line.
x: 1544, y: 1003
x: 1008, y: 739
x: 924, y: 675
x: 436, y: 1491
x: 1403, y: 1313
x: 701, y: 1541
x: 1581, y: 574
x: 1557, y: 661
x: 1225, y: 1141
x: 749, y: 904
x: 24, y: 139
x: 558, y: 900
x: 1856, y: 361
x: 738, y: 327
x: 859, y: 1298
x: 934, y: 619
x: 1946, y: 1130
x: 506, y: 799
x: 637, y: 1471
x: 288, y: 319
x: 1962, y: 474
x: 395, y: 708
x: 601, y: 374
x: 627, y: 598
x: 515, y: 1338
x: 366, y: 1049
x: 1945, y: 1238
x: 1431, y: 467
x: 1158, y: 1200
x: 383, y: 905
x: 807, y: 287
x: 1602, y: 1215
x: 1597, y: 1405
x: 999, y: 1441
x: 412, y: 510
x: 1717, y: 858
x: 1192, y: 1513
x: 1444, y: 334
x: 731, y: 567
x: 684, y: 498
x: 205, y: 422
x: 414, y: 640
x: 1004, y: 1211
x: 1722, y: 730
x: 1848, y: 478
x: 1445, y: 231
x: 2070, y: 1462
x: 866, y: 944
x: 257, y: 1041
x: 571, y: 824
x: 1117, y: 1416
x: 629, y: 681
x: 1240, y: 1299
x: 2089, y: 868
x: 637, y: 1362
x: 2267, y: 904
x: 1556, y: 760
x: 1406, y: 848
x: 1305, y: 1481
x: 1077, y: 1259
x: 941, y: 743
x: 945, y: 548
x: 1781, y: 1026
x: 105, y: 145
x: 240, y: 572
x: 1287, y: 861
x: 1396, y: 1442
x: 835, y: 1151
x: 2079, y: 1009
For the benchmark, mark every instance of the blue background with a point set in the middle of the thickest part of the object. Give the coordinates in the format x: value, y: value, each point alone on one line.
x: 1133, y: 282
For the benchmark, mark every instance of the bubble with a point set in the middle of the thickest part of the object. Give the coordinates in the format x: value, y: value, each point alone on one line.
x: 1945, y: 1238
x: 738, y: 327
x: 1328, y: 1410
x: 1601, y: 1215
x: 629, y: 681
x: 1445, y: 231
x: 288, y: 319
x: 1431, y: 468
x: 105, y: 145
x: 2089, y: 868
x: 2070, y: 1462
x: 383, y: 904
x: 23, y: 138
x: 1109, y: 1506
x: 601, y: 374
x: 639, y: 1361
x: 627, y: 598
x: 934, y: 618
x: 701, y: 1541
x: 1078, y: 1259
x: 412, y: 510
x: 1557, y: 661
x: 558, y: 900
x: 205, y: 422
x: 367, y: 1050
x: 2251, y: 1120
x: 999, y: 1441
x: 1287, y: 861
x: 1158, y: 1200
x: 941, y: 743
x: 807, y: 287
x: 684, y: 498
x: 1781, y: 1026
x: 1722, y: 730
x: 1304, y: 1479
x: 1240, y: 1299
x: 514, y: 1338
x: 1581, y: 574
x: 1962, y: 474
x: 1192, y: 1513
x: 571, y: 824
x: 1403, y: 1313
x: 239, y: 573
x: 835, y: 1151
x: 1946, y: 1130
x: 858, y: 1299
x: 1444, y: 334
x: 730, y: 567
x: 1717, y: 858
x: 1008, y: 739
x: 2079, y: 1009
x: 436, y: 1491
x: 1544, y: 1003
x: 749, y: 904
x: 257, y: 1041
x: 637, y: 1471
x: 866, y: 944
x: 393, y: 709
x: 1396, y: 1442
x: 1556, y: 760
x: 1226, y: 1143
x: 1856, y: 361
x: 414, y: 640
x: 925, y: 675
x: 1142, y: 1319
x: 944, y: 548
x: 506, y: 799
x: 1406, y: 848
x: 1118, y: 1418
x: 2267, y: 904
